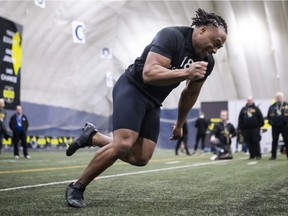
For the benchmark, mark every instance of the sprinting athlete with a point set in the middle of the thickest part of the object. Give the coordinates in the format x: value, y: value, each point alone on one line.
x: 175, y: 54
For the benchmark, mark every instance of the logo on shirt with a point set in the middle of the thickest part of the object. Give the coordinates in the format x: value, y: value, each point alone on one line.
x: 187, y: 62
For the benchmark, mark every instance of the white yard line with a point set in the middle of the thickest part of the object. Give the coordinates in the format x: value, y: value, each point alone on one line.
x: 120, y: 175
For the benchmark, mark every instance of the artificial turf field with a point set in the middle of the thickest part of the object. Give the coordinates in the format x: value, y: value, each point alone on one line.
x: 168, y: 185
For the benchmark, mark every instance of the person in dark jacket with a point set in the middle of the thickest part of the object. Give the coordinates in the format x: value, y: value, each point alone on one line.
x: 19, y: 125
x: 220, y: 137
x: 250, y: 121
x: 183, y: 139
x: 3, y: 130
x: 202, y: 125
x: 278, y: 118
x: 3, y: 133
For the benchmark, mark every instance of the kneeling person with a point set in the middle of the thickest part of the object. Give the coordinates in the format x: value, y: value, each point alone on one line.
x: 220, y: 137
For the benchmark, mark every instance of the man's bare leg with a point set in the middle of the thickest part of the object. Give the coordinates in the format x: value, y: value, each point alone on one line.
x: 89, y: 136
x: 101, y: 140
x: 139, y: 153
x: 126, y: 146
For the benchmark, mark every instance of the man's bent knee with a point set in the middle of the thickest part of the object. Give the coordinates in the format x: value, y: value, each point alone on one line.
x: 141, y: 162
x: 122, y: 149
x: 134, y: 159
x: 123, y: 141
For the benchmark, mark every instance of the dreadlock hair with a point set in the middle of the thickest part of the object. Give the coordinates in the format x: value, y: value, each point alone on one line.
x: 203, y: 19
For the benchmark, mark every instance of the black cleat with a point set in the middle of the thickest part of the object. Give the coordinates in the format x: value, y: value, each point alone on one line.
x: 74, y: 195
x: 83, y: 140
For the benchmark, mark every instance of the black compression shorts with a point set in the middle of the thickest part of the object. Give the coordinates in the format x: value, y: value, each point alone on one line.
x: 134, y: 111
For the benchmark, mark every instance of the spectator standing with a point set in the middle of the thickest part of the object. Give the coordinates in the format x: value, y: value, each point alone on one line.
x: 184, y: 140
x: 250, y: 121
x: 278, y: 118
x: 2, y: 110
x: 202, y: 125
x: 19, y: 125
x: 3, y: 115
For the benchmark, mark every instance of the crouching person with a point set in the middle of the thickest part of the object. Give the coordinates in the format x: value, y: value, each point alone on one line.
x: 220, y: 138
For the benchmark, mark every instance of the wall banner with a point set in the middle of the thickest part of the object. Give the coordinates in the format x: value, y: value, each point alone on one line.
x: 10, y: 62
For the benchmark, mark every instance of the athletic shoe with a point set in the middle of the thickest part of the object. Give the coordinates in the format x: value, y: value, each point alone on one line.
x: 227, y: 156
x: 28, y: 156
x: 214, y: 157
x: 16, y: 157
x: 74, y: 195
x: 83, y: 140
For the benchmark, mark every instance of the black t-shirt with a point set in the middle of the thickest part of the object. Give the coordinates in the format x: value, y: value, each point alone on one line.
x: 174, y: 43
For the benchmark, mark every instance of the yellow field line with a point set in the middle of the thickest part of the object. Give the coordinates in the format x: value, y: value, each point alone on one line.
x: 39, y: 169
x: 79, y: 166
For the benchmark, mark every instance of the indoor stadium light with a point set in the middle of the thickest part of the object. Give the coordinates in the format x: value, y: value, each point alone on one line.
x: 253, y: 32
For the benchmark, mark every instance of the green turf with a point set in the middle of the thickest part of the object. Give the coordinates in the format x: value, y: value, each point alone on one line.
x: 193, y: 185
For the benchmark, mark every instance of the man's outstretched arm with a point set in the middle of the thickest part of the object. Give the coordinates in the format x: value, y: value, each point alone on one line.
x: 187, y: 100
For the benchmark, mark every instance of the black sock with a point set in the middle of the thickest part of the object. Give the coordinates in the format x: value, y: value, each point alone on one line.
x: 78, y: 185
x: 91, y: 137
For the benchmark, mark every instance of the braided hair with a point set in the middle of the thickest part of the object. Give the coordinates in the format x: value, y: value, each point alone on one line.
x: 203, y: 19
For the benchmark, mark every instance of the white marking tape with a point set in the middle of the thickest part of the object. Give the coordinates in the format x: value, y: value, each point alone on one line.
x: 172, y: 162
x: 252, y: 163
